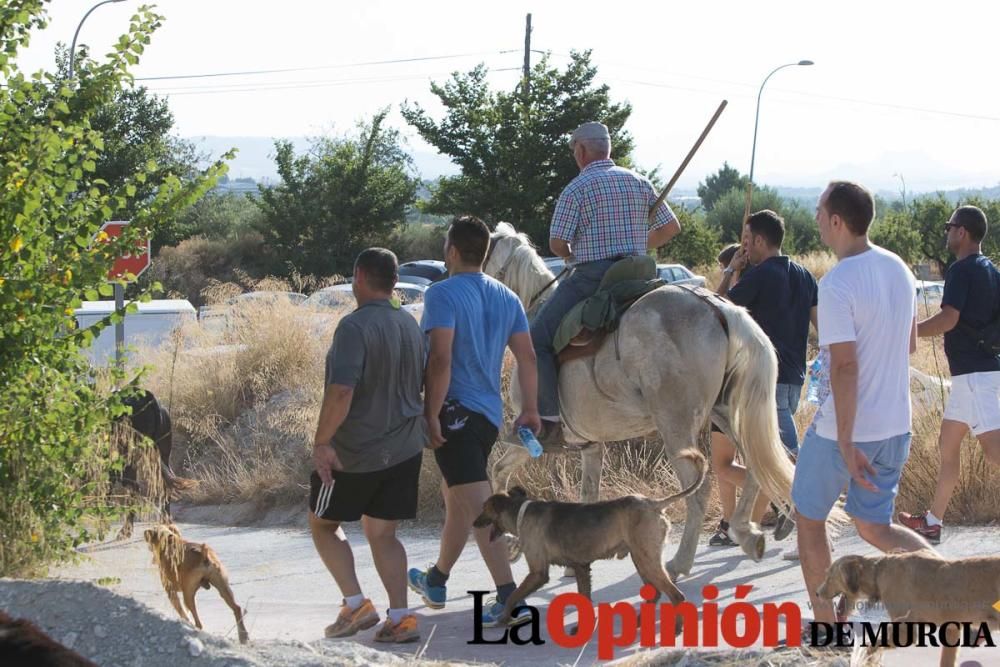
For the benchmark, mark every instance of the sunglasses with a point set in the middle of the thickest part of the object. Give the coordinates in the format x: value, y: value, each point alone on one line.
x: 949, y: 225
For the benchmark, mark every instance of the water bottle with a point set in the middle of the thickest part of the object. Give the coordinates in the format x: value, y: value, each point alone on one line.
x: 529, y: 441
x: 812, y: 391
x: 819, y: 378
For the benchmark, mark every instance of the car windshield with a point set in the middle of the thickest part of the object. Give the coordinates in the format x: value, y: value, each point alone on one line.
x: 330, y: 299
x: 427, y: 271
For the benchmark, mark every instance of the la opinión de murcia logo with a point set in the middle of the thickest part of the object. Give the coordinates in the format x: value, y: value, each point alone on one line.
x: 736, y: 625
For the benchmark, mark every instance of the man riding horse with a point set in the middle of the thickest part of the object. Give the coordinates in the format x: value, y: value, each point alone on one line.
x: 601, y: 217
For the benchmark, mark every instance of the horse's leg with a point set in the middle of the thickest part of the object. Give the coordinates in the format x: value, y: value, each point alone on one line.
x: 513, y: 458
x: 747, y: 535
x: 592, y: 465
x: 687, y: 474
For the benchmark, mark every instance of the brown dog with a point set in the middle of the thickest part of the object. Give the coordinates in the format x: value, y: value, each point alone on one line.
x: 921, y: 587
x: 184, y: 566
x: 577, y: 534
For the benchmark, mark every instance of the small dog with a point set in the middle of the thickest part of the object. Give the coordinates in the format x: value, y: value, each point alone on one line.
x: 184, y: 566
x: 577, y: 534
x: 23, y: 643
x: 920, y: 587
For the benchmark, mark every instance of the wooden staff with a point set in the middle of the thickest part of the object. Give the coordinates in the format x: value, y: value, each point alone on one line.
x: 684, y: 164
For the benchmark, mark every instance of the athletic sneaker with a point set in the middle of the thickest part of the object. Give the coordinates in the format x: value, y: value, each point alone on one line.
x: 721, y: 537
x: 918, y: 524
x: 433, y: 596
x: 351, y: 622
x: 493, y: 608
x: 400, y: 633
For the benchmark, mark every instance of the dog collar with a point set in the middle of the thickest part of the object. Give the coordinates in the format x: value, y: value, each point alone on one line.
x: 520, y: 515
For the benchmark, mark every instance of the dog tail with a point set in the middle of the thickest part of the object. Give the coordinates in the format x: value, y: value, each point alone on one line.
x: 698, y: 459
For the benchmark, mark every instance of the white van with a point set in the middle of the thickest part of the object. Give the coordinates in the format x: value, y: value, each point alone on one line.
x: 151, y: 326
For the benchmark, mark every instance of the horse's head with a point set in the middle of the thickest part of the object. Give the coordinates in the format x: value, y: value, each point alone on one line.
x: 513, y: 260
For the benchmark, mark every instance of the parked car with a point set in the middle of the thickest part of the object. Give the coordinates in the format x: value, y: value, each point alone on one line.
x: 676, y: 274
x: 422, y: 271
x: 150, y: 326
x: 931, y: 290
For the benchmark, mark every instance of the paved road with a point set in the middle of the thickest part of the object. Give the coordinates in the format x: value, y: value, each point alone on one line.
x: 277, y: 575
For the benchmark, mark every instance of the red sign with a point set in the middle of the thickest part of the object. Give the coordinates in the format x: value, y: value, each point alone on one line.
x: 134, y: 263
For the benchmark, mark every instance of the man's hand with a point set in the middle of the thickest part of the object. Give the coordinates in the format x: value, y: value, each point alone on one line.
x: 435, y: 437
x: 325, y: 460
x: 858, y: 465
x: 739, y: 260
x: 531, y: 419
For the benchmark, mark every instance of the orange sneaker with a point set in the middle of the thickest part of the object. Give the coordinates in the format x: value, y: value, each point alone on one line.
x: 351, y: 622
x: 400, y: 633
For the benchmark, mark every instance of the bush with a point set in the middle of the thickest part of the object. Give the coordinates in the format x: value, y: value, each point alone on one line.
x: 419, y: 241
x: 696, y: 245
x: 194, y: 265
x: 56, y: 446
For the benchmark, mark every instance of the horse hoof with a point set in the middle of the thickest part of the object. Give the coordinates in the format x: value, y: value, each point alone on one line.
x: 757, y: 544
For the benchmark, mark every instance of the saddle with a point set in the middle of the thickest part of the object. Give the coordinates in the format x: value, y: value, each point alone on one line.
x: 586, y: 325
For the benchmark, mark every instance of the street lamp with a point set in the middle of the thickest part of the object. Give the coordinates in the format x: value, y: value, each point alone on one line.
x: 753, y: 153
x: 72, y: 48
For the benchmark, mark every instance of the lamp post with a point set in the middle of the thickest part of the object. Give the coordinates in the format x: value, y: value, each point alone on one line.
x: 72, y: 48
x: 753, y: 153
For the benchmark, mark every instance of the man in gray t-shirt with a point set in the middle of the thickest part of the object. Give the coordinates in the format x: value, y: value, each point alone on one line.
x: 368, y: 446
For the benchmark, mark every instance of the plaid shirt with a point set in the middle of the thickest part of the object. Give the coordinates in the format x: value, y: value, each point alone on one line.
x: 604, y: 213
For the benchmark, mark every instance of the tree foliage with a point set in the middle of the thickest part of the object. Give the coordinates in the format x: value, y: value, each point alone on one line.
x: 512, y: 145
x: 720, y: 183
x: 55, y: 449
x: 344, y: 195
x: 726, y: 217
x: 696, y: 245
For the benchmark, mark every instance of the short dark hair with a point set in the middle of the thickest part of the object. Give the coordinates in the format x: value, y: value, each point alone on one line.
x: 471, y: 238
x: 726, y: 254
x: 768, y: 224
x: 381, y: 267
x: 972, y: 219
x: 854, y: 203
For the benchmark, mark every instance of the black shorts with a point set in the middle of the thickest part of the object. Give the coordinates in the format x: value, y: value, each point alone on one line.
x: 469, y: 439
x: 389, y: 494
x: 715, y: 429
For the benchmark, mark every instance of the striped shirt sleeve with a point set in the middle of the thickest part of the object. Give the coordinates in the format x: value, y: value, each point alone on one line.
x: 566, y: 218
x: 664, y: 216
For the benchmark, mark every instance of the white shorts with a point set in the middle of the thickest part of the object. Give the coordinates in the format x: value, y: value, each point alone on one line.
x: 975, y: 401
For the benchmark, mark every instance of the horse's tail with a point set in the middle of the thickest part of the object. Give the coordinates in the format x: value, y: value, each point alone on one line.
x: 751, y: 376
x: 698, y: 459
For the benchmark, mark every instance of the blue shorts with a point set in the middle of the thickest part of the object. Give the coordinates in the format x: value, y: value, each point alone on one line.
x: 821, y: 474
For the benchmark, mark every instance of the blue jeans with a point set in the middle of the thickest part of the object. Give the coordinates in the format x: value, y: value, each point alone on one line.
x: 787, y: 398
x: 581, y: 283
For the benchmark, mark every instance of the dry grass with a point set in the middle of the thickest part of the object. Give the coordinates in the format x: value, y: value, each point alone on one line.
x: 245, y: 401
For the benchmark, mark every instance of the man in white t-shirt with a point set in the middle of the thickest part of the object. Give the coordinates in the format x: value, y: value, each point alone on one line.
x: 860, y: 436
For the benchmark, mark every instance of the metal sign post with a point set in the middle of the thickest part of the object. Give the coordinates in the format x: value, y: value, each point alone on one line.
x: 127, y: 266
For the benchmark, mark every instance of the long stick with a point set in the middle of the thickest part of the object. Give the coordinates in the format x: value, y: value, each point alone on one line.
x: 684, y: 164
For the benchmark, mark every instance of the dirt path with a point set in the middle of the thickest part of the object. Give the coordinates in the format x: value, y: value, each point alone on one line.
x: 277, y: 575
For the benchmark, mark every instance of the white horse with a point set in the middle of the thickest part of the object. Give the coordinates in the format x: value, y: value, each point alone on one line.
x: 670, y: 365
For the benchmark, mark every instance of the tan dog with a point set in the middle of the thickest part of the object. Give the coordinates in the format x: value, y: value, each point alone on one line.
x: 921, y: 587
x: 184, y: 566
x: 577, y: 534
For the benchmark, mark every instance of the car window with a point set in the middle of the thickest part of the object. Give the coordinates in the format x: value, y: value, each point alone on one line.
x: 422, y: 270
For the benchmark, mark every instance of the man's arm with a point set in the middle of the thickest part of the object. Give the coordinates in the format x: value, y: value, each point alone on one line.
x: 560, y: 248
x: 527, y: 378
x: 942, y: 322
x: 814, y: 318
x: 747, y: 288
x: 844, y: 386
x: 661, y: 235
x: 336, y: 405
x: 436, y: 380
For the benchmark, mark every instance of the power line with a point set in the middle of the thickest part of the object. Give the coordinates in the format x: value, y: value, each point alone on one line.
x: 322, y: 67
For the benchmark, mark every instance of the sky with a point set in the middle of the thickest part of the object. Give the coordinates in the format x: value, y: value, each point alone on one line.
x: 900, y: 93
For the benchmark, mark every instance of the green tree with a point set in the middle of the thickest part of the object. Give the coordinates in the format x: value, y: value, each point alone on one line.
x: 726, y: 217
x: 894, y: 231
x: 55, y: 444
x: 696, y: 245
x: 346, y: 194
x: 720, y: 183
x: 137, y: 128
x: 219, y: 215
x: 512, y: 145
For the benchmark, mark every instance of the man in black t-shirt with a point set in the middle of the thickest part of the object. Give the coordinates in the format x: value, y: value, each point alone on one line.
x: 971, y: 300
x: 781, y: 297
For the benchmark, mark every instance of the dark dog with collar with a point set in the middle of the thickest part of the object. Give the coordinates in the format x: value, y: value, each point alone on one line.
x: 577, y: 534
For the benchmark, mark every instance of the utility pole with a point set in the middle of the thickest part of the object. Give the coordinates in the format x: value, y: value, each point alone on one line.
x: 527, y: 57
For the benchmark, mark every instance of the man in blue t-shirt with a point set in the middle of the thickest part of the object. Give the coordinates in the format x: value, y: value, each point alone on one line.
x: 971, y: 300
x: 471, y: 319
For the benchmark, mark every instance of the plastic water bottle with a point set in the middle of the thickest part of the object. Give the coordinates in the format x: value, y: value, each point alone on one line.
x: 819, y: 379
x: 529, y: 441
